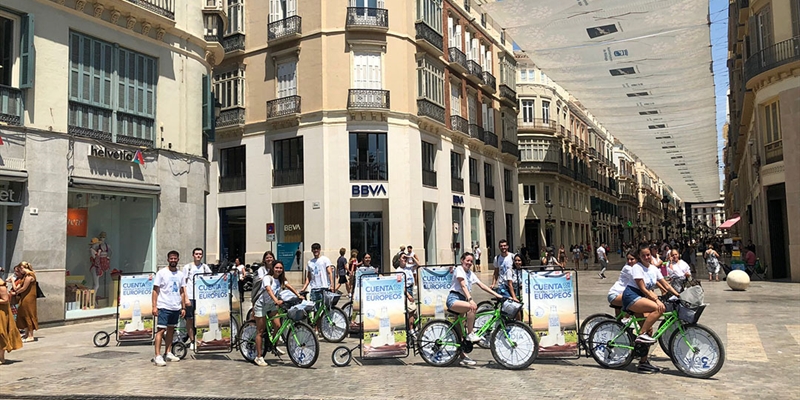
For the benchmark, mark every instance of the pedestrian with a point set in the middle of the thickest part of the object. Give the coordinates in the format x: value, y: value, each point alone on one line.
x: 750, y: 258
x: 341, y: 269
x: 601, y: 258
x: 476, y: 252
x: 25, y: 292
x: 562, y: 255
x: 242, y: 272
x: 412, y: 261
x: 352, y: 266
x: 585, y: 259
x: 576, y: 256
x: 197, y: 266
x: 10, y: 339
x: 712, y: 263
x: 502, y: 263
x: 396, y: 258
x: 169, y: 297
x: 319, y: 274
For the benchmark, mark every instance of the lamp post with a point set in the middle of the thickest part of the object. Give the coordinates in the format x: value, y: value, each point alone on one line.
x: 549, y: 224
x: 665, y: 206
x: 595, y: 214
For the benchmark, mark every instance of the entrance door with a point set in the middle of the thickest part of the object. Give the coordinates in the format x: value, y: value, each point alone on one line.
x: 366, y: 233
x: 233, y: 228
x: 776, y: 210
x: 532, y: 238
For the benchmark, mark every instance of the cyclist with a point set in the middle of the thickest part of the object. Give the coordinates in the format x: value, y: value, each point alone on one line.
x: 625, y: 278
x: 509, y: 284
x: 460, y: 298
x: 267, y: 305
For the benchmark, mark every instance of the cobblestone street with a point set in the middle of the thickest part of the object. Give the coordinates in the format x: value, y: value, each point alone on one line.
x: 760, y: 329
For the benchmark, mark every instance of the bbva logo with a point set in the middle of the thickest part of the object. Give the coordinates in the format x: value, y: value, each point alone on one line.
x: 368, y: 190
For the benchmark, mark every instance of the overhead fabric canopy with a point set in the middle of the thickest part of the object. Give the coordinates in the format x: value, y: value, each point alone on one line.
x: 730, y: 223
x: 641, y: 67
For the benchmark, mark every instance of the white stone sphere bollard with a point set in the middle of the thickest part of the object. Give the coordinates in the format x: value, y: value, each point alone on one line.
x: 738, y: 280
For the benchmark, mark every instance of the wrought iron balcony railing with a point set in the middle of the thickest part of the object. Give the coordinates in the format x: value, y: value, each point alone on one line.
x: 489, y: 80
x: 488, y: 192
x: 284, y: 106
x: 508, y: 93
x: 164, y: 8
x: 233, y: 43
x: 773, y: 152
x: 427, y: 108
x: 288, y: 176
x: 10, y: 105
x: 510, y: 148
x: 232, y: 183
x: 429, y: 35
x: 455, y: 55
x: 779, y: 54
x: 509, y: 195
x: 428, y: 177
x: 367, y: 17
x: 476, y: 131
x: 368, y: 98
x: 286, y: 27
x: 491, y: 139
x: 475, y: 188
x: 537, y: 123
x: 457, y: 184
x: 460, y: 124
x: 231, y: 117
x: 475, y: 69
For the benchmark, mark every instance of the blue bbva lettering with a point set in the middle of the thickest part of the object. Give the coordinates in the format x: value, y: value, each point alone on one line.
x: 367, y: 190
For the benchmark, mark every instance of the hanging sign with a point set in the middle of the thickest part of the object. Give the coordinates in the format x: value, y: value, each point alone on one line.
x: 77, y: 219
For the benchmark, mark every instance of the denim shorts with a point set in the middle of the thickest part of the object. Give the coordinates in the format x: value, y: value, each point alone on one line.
x: 316, y: 294
x: 630, y: 296
x: 612, y: 297
x: 453, y: 297
x: 168, y: 318
x: 502, y: 290
x: 410, y: 291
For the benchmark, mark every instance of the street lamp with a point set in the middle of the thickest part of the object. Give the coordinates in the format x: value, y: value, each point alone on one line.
x: 665, y: 207
x: 549, y: 223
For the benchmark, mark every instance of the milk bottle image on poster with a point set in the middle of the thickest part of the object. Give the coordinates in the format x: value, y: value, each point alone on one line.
x: 439, y: 307
x: 554, y: 334
x: 385, y: 330
x: 136, y: 318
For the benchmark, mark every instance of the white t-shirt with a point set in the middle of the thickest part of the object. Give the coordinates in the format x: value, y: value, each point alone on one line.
x: 409, y: 274
x: 601, y: 253
x: 504, y: 264
x: 477, y: 253
x: 410, y: 262
x: 169, y: 289
x: 625, y: 279
x: 468, y: 277
x: 262, y: 272
x: 318, y: 268
x: 269, y: 281
x: 649, y: 275
x: 241, y: 270
x: 680, y: 269
x: 189, y: 271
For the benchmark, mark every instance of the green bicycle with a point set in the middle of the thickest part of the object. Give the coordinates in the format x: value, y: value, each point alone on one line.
x: 331, y: 321
x: 514, y: 344
x: 694, y: 349
x: 591, y: 321
x: 302, y: 344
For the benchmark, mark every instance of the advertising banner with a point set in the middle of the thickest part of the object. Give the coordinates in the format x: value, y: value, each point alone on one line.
x: 433, y: 291
x: 357, y: 288
x: 289, y: 254
x: 551, y: 310
x: 383, y: 305
x: 77, y: 221
x: 135, y: 320
x: 212, y: 315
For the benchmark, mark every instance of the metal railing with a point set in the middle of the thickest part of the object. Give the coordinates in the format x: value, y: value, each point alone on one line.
x: 232, y: 183
x: 509, y: 148
x: 429, y: 35
x: 289, y: 176
x: 368, y: 98
x: 489, y: 80
x: 428, y: 177
x: 508, y: 93
x: 537, y: 123
x: 459, y: 123
x: 284, y: 106
x: 475, y: 188
x: 367, y: 17
x: 368, y: 171
x: 475, y: 69
x: 488, y: 192
x: 455, y: 55
x: 286, y: 27
x: 10, y: 105
x: 165, y: 8
x: 772, y: 57
x: 231, y: 117
x: 234, y: 42
x: 491, y: 138
x: 427, y: 108
x: 773, y: 152
x: 457, y: 184
x: 476, y: 131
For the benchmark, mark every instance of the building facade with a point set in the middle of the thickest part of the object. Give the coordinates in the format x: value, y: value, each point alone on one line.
x: 760, y: 180
x: 365, y: 125
x: 707, y: 217
x: 102, y: 143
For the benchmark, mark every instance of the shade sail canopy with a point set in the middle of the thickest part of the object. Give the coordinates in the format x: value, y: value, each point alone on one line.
x: 730, y: 223
x: 641, y: 67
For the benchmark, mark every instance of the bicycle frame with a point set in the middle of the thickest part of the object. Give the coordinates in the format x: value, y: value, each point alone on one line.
x: 670, y: 318
x: 496, y: 319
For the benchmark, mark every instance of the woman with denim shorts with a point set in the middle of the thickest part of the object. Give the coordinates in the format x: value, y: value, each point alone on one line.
x: 625, y: 278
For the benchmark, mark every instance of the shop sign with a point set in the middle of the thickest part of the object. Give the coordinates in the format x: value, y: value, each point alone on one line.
x: 458, y: 201
x: 118, y: 154
x: 369, y: 190
x: 77, y: 219
x: 292, y: 227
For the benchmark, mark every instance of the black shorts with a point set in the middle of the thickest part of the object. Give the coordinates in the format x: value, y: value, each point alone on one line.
x: 478, y: 262
x: 190, y: 311
x: 342, y: 278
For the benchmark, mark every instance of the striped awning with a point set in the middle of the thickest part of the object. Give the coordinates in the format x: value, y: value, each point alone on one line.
x: 730, y: 223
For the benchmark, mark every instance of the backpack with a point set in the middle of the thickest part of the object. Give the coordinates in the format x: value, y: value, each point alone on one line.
x: 258, y: 287
x: 396, y: 261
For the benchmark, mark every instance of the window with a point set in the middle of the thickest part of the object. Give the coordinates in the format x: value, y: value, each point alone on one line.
x: 529, y: 194
x: 523, y: 75
x: 367, y: 71
x: 473, y: 171
x: 508, y: 73
x: 547, y: 193
x: 487, y: 180
x: 472, y: 109
x: 16, y: 51
x: 539, y: 151
x: 466, y: 5
x: 235, y: 17
x: 796, y: 17
x: 288, y: 168
x: 229, y: 88
x: 527, y: 111
x: 430, y: 12
x: 486, y: 50
x: 509, y: 125
x: 282, y: 9
x: 112, y: 91
x: 456, y: 161
x: 488, y: 118
x: 453, y: 33
x: 531, y: 73
x: 232, y: 168
x: 773, y: 143
x: 561, y: 196
x: 287, y: 79
x: 483, y: 20
x: 545, y: 111
x: 455, y: 98
x: 430, y: 80
x: 428, y: 164
x: 764, y: 37
x: 368, y: 157
x: 510, y: 230
x: 508, y: 185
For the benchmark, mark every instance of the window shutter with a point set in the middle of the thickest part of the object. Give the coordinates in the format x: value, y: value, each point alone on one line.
x: 291, y: 8
x: 208, y: 109
x: 451, y: 33
x: 275, y: 10
x: 26, y: 55
x: 485, y: 116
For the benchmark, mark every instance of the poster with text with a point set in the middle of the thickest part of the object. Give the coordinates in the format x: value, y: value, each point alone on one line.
x: 433, y: 292
x: 290, y: 254
x: 383, y: 306
x: 135, y: 321
x: 357, y: 288
x: 551, y: 310
x: 212, y: 313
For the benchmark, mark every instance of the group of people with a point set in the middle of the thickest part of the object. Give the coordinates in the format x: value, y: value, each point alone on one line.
x: 20, y: 292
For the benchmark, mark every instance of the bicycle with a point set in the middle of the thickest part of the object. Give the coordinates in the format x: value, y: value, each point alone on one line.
x: 302, y: 344
x: 694, y: 349
x: 331, y: 321
x: 514, y: 344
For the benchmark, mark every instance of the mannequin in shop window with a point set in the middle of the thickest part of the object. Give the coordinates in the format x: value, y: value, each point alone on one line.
x: 101, y: 258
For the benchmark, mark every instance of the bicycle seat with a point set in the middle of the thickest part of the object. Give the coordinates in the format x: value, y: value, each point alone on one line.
x: 451, y: 314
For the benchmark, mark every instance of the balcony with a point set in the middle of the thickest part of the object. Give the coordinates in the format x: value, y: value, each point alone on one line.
x: 232, y: 183
x: 491, y: 139
x: 230, y: 117
x: 508, y: 94
x: 367, y: 19
x: 476, y: 132
x: 283, y: 107
x: 595, y: 184
x: 593, y: 153
x: 10, y: 105
x: 773, y: 152
x: 509, y: 148
x: 164, y: 8
x: 536, y: 124
x: 428, y: 178
x: 429, y: 39
x: 539, y: 166
x: 779, y: 54
x: 288, y: 176
x: 475, y: 71
x: 509, y: 195
x: 489, y: 82
x: 475, y: 188
x: 367, y: 99
x: 457, y: 58
x: 368, y: 171
x: 459, y: 124
x: 233, y: 43
x: 457, y: 184
x: 427, y: 108
x: 284, y: 30
x: 489, y: 192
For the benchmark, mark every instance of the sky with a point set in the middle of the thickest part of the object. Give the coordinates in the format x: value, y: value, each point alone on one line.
x: 718, y: 15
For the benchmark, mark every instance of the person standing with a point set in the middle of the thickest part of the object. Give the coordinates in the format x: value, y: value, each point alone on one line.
x: 712, y: 264
x: 319, y: 274
x: 400, y: 254
x: 197, y: 266
x: 601, y: 258
x: 411, y: 259
x: 502, y: 263
x: 242, y: 272
x: 476, y: 252
x: 25, y: 290
x: 562, y: 255
x: 10, y: 339
x: 341, y: 269
x: 576, y: 256
x: 169, y: 297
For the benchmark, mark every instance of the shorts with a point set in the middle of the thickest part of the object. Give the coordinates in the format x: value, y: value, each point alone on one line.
x: 168, y: 318
x: 453, y: 297
x: 612, y: 297
x: 190, y: 311
x: 630, y: 296
x: 260, y: 309
x: 343, y: 278
x: 478, y: 262
x: 316, y: 294
x: 410, y: 291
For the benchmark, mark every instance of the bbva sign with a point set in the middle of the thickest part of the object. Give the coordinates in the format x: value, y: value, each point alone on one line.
x: 369, y: 190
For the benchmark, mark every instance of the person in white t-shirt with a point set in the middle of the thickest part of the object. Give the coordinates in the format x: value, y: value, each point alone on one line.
x: 412, y: 261
x: 460, y: 299
x: 625, y: 278
x: 319, y: 274
x: 502, y: 263
x: 197, y: 266
x: 476, y: 251
x: 266, y: 305
x: 679, y: 270
x: 601, y: 257
x: 169, y: 297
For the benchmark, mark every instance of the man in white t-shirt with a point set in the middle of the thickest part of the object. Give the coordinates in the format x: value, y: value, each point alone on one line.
x: 412, y: 261
x: 169, y: 297
x: 197, y: 266
x: 319, y: 274
x: 601, y: 257
x: 476, y: 252
x: 502, y: 263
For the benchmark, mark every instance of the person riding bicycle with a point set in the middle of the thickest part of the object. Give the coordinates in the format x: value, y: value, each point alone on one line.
x: 625, y: 278
x: 460, y: 300
x: 267, y: 305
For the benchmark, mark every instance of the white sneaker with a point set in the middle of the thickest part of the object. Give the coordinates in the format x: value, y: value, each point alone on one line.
x: 191, y: 346
x: 472, y: 337
x: 159, y: 361
x: 260, y: 362
x: 279, y: 351
x: 466, y: 361
x: 171, y: 357
x: 645, y: 338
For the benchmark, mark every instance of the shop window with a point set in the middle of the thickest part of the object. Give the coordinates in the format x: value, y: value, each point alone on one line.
x: 288, y: 168
x: 290, y: 225
x: 368, y: 157
x: 232, y: 167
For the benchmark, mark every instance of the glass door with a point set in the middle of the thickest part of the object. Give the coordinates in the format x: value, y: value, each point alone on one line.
x: 366, y: 236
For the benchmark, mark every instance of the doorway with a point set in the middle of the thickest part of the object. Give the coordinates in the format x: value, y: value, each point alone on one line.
x: 776, y: 210
x: 532, y: 238
x: 232, y: 233
x: 366, y: 235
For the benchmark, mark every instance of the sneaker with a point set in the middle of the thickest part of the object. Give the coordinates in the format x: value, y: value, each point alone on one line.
x: 159, y: 361
x: 191, y: 346
x: 472, y: 337
x: 260, y: 362
x: 279, y: 351
x: 468, y: 362
x: 646, y: 368
x: 171, y: 357
x: 645, y: 338
x: 600, y: 275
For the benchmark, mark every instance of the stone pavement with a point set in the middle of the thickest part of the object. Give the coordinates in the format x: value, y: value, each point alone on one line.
x: 760, y: 329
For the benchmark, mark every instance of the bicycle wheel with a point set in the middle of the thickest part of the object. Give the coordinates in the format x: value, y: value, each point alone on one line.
x: 611, y: 345
x: 101, y: 339
x: 438, y: 343
x: 247, y: 341
x: 481, y: 320
x: 663, y: 340
x: 302, y: 345
x: 698, y: 352
x: 178, y: 349
x: 333, y: 325
x: 341, y: 356
x: 234, y: 330
x: 589, y: 323
x: 348, y: 309
x: 514, y: 347
x: 250, y: 315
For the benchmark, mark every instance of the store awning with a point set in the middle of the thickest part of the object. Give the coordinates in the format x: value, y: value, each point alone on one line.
x: 13, y: 175
x: 119, y: 186
x: 730, y: 223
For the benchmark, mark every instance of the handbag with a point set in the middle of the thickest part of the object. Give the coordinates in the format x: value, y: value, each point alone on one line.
x: 39, y: 293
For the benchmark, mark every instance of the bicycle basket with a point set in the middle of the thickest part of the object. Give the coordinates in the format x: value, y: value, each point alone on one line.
x: 296, y: 313
x: 330, y: 298
x: 690, y: 315
x: 510, y: 308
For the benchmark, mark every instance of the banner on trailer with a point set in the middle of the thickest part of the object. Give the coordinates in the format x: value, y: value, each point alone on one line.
x: 433, y: 291
x: 212, y: 314
x: 357, y: 289
x: 551, y: 311
x: 383, y: 305
x: 135, y: 320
